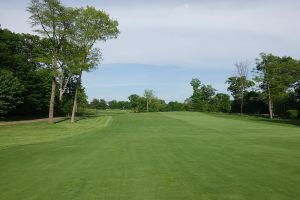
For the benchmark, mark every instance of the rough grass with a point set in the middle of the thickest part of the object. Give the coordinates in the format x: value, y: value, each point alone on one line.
x: 180, y: 155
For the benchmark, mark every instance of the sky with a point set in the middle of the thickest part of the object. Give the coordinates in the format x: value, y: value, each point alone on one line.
x: 163, y: 44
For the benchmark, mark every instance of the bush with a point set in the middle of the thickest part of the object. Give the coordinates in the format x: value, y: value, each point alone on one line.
x: 292, y: 114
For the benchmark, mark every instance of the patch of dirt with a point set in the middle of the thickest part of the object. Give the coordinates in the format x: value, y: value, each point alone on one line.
x: 30, y: 121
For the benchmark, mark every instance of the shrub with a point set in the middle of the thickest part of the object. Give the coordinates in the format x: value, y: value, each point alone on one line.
x: 292, y: 114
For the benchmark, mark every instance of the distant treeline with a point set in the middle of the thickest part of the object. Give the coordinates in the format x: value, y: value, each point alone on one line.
x: 138, y: 104
x: 274, y: 90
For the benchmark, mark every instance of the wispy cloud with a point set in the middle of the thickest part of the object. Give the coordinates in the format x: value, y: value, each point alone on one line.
x: 204, y: 37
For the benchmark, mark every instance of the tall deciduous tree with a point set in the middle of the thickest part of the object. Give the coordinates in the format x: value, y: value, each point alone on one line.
x: 238, y: 87
x: 135, y: 102
x: 242, y: 72
x: 202, y: 95
x: 91, y: 25
x: 53, y: 21
x: 149, y: 96
x: 275, y: 75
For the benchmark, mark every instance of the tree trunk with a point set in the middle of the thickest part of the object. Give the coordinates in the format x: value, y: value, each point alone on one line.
x: 62, y: 87
x: 52, y: 99
x: 147, y: 106
x: 74, y: 107
x: 75, y: 99
x: 270, y: 103
x: 242, y: 102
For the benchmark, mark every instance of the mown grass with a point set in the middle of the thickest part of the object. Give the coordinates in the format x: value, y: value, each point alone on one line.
x: 25, y: 134
x: 180, y: 155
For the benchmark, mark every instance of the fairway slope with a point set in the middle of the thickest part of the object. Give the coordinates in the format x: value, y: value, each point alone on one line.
x: 180, y: 155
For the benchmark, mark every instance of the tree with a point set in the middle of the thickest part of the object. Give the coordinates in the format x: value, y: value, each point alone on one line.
x: 54, y: 21
x: 157, y: 105
x: 175, y: 106
x: 94, y: 103
x: 135, y: 102
x: 238, y: 87
x: 123, y: 105
x: 195, y: 83
x: 254, y: 104
x: 113, y: 104
x: 202, y: 95
x: 18, y: 53
x: 275, y: 75
x: 10, y: 91
x: 196, y: 99
x: 221, y: 103
x: 99, y: 104
x: 67, y: 66
x: 149, y: 96
x: 207, y: 92
x: 102, y: 104
x: 91, y: 25
x: 239, y: 84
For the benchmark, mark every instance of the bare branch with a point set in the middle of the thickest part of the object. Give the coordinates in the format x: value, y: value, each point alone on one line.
x: 242, y: 68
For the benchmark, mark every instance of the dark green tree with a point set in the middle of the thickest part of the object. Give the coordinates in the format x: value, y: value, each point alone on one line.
x: 136, y: 102
x: 175, y: 106
x: 275, y: 75
x: 18, y: 54
x: 10, y: 92
x: 238, y: 86
x: 202, y: 95
x: 221, y: 103
x: 99, y: 104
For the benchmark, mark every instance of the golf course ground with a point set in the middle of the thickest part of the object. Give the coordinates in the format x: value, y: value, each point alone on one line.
x: 119, y: 155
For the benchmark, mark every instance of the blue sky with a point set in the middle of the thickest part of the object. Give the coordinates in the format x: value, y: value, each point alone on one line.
x: 165, y: 43
x: 168, y: 82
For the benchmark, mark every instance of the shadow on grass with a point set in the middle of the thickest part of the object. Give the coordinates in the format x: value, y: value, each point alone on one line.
x: 259, y: 118
x: 84, y: 115
x: 62, y: 119
x: 295, y: 122
x: 98, y: 113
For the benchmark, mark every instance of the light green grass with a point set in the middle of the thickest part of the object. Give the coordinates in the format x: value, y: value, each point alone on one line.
x: 151, y: 156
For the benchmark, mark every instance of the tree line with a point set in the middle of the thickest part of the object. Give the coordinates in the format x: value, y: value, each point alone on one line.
x: 273, y: 90
x: 147, y: 102
x: 45, y: 71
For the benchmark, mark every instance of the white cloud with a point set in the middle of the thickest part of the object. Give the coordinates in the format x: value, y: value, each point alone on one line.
x: 204, y: 34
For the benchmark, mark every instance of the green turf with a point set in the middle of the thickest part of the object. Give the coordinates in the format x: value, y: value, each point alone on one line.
x: 155, y: 156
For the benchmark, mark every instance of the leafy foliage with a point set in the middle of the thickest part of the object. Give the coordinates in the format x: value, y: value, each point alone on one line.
x: 98, y: 104
x: 275, y: 76
x: 202, y: 96
x: 18, y: 53
x: 221, y: 103
x: 238, y: 85
x: 10, y: 93
x: 292, y: 114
